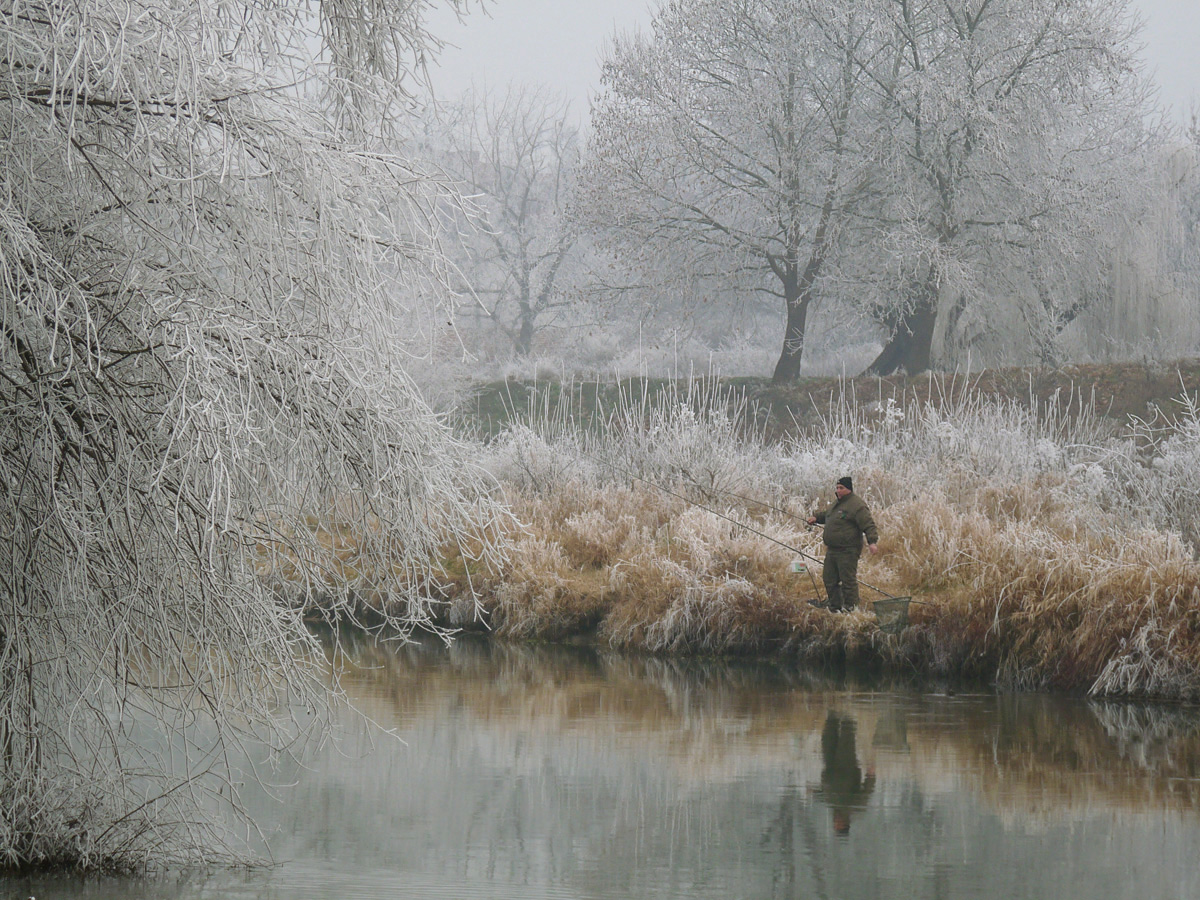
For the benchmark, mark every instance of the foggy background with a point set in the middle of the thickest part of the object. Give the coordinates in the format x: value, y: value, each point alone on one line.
x: 547, y: 42
x: 585, y: 304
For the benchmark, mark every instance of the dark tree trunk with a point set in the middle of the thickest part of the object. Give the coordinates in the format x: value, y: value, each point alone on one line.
x: 910, y: 346
x: 788, y: 367
x: 799, y: 288
x: 523, y: 343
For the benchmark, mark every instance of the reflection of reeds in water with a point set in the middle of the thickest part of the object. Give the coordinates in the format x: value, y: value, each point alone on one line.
x: 1038, y: 758
x: 1033, y: 757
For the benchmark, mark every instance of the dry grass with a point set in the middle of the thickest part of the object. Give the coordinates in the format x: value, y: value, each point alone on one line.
x: 1022, y: 534
x: 1029, y: 598
x: 1040, y: 556
x: 645, y: 571
x: 1044, y: 600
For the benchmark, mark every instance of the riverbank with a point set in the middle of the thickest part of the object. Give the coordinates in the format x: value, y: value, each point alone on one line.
x: 1047, y: 546
x: 1019, y: 595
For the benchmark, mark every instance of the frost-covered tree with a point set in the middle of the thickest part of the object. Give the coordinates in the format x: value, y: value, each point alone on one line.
x: 733, y: 137
x: 1015, y: 130
x: 201, y: 428
x: 954, y: 170
x: 1151, y: 308
x: 514, y: 155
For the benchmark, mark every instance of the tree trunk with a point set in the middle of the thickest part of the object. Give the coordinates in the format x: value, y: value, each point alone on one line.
x: 798, y: 291
x: 523, y: 343
x: 788, y: 367
x: 909, y: 347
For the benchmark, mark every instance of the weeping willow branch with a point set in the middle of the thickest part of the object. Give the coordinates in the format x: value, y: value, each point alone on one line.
x: 204, y: 286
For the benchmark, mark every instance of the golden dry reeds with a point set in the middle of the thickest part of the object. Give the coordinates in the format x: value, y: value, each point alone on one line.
x: 643, y: 570
x: 1012, y: 585
x: 1015, y: 530
x: 1024, y: 540
x: 1046, y: 601
x: 1030, y: 599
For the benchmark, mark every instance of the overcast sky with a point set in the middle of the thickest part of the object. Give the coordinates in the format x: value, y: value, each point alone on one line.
x: 558, y: 42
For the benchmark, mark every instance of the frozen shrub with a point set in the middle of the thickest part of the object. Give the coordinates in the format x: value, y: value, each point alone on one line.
x: 1164, y: 479
x: 689, y: 441
x: 527, y: 460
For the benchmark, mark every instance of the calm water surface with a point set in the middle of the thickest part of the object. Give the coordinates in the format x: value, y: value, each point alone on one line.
x: 543, y: 773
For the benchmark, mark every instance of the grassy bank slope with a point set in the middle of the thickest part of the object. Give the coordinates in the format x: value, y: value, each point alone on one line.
x: 1048, y: 547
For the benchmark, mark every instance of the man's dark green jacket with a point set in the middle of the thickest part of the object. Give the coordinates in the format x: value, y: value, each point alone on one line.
x: 846, y: 522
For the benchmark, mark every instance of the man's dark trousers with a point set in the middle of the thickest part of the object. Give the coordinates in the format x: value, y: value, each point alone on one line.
x: 840, y: 574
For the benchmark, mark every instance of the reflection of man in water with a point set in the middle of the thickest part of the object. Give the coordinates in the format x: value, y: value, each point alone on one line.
x: 843, y: 785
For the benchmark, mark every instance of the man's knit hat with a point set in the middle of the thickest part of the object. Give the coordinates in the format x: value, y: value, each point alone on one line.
x: 845, y: 482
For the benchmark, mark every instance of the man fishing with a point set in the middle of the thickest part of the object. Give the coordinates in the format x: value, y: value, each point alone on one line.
x: 846, y: 523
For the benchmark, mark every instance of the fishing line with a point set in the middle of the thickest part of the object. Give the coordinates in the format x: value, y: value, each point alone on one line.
x: 751, y: 529
x: 742, y: 497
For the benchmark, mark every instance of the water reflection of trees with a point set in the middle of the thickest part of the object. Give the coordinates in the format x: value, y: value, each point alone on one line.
x: 597, y: 772
x: 1035, y: 753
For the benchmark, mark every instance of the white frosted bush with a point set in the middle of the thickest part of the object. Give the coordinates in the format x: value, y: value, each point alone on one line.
x: 208, y: 272
x: 1167, y: 490
x: 1092, y: 480
x: 531, y: 462
x: 671, y: 443
x: 689, y: 442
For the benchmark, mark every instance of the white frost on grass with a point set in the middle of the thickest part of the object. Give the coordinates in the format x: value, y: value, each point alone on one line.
x: 691, y: 442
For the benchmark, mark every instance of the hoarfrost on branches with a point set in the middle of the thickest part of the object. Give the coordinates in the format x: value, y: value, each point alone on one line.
x: 958, y: 175
x: 733, y: 139
x: 201, y: 424
x: 514, y: 155
x: 1016, y: 145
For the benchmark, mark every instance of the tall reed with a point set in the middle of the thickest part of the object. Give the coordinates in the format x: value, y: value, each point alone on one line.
x: 1047, y: 547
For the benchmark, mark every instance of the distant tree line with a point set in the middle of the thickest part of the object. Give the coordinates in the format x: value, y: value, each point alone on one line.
x: 983, y: 179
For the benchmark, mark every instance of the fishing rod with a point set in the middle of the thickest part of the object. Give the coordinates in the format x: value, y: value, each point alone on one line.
x: 773, y: 508
x: 752, y: 530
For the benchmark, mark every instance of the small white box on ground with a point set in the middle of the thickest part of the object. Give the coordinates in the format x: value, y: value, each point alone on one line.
x: 799, y: 566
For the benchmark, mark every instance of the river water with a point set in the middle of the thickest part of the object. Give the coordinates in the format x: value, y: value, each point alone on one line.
x: 518, y: 772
